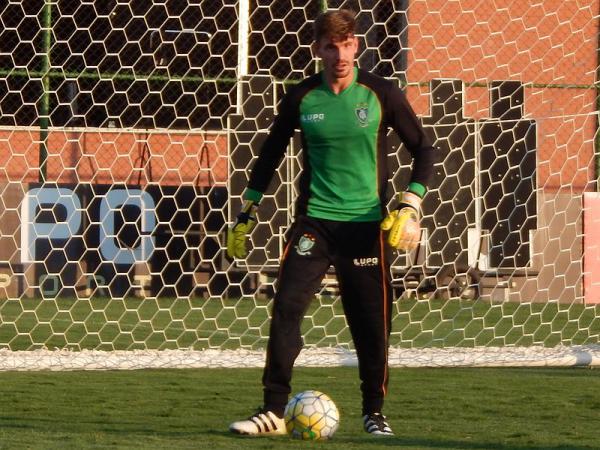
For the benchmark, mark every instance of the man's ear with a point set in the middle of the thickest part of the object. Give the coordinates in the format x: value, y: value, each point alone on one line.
x: 314, y: 47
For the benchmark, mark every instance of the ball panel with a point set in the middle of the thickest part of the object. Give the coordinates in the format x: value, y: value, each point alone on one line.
x: 311, y: 415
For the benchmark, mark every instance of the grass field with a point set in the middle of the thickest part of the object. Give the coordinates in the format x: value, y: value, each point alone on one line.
x: 446, y: 409
x: 179, y: 409
x: 167, y: 323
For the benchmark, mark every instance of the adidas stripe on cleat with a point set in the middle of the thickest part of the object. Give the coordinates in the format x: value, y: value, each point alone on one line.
x: 263, y: 423
x: 376, y: 424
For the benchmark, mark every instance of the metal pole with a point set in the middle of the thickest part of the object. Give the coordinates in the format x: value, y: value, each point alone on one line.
x: 243, y: 51
x: 597, y: 89
x: 322, y: 7
x: 44, y: 109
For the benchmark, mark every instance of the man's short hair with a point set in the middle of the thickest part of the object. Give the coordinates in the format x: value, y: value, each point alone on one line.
x: 336, y: 25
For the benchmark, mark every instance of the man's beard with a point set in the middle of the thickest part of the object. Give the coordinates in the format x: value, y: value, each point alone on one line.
x: 342, y: 71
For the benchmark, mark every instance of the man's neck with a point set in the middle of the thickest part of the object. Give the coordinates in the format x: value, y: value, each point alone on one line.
x: 337, y: 85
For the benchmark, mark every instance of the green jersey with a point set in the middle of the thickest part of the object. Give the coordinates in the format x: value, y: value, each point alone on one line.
x: 343, y: 135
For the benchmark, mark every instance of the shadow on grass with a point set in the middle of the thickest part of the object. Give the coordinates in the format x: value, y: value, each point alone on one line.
x: 391, y: 442
x: 224, y: 439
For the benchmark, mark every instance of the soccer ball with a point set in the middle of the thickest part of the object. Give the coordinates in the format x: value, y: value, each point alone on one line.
x: 311, y: 415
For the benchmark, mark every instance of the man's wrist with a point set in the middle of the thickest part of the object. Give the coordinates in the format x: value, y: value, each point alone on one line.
x: 248, y: 212
x: 409, y: 198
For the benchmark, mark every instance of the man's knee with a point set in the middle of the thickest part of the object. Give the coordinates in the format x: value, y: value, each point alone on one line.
x: 290, y: 304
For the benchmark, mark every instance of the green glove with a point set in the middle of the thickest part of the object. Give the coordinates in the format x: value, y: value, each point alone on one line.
x: 236, y: 235
x: 403, y: 223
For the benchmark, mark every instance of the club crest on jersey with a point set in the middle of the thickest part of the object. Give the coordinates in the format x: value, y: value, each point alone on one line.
x: 362, y: 114
x: 305, y: 244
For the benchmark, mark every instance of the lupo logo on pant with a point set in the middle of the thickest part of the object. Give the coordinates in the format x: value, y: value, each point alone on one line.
x: 366, y: 262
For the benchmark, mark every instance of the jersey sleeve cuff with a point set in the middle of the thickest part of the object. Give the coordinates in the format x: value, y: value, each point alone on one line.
x: 252, y: 195
x: 417, y: 188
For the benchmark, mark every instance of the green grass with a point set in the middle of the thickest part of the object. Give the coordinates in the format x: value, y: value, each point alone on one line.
x: 166, y: 323
x: 183, y: 409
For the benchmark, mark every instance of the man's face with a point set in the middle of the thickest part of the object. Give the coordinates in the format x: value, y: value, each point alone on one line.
x: 337, y: 55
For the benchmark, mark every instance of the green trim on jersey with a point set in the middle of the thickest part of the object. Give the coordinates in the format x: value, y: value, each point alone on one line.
x: 252, y: 195
x: 417, y: 188
x: 341, y: 132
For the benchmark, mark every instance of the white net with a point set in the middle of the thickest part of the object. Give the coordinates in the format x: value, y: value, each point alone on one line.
x: 127, y: 130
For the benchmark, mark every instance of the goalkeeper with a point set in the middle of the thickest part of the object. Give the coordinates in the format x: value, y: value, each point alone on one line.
x: 343, y: 114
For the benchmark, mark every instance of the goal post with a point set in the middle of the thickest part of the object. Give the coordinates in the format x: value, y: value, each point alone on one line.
x: 127, y: 132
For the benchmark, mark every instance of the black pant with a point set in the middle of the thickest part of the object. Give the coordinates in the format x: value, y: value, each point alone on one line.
x: 361, y: 261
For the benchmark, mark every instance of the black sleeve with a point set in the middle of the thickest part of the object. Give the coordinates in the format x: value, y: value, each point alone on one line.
x: 402, y: 118
x: 273, y: 149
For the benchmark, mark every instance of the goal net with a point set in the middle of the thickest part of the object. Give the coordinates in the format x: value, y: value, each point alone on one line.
x: 127, y: 130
